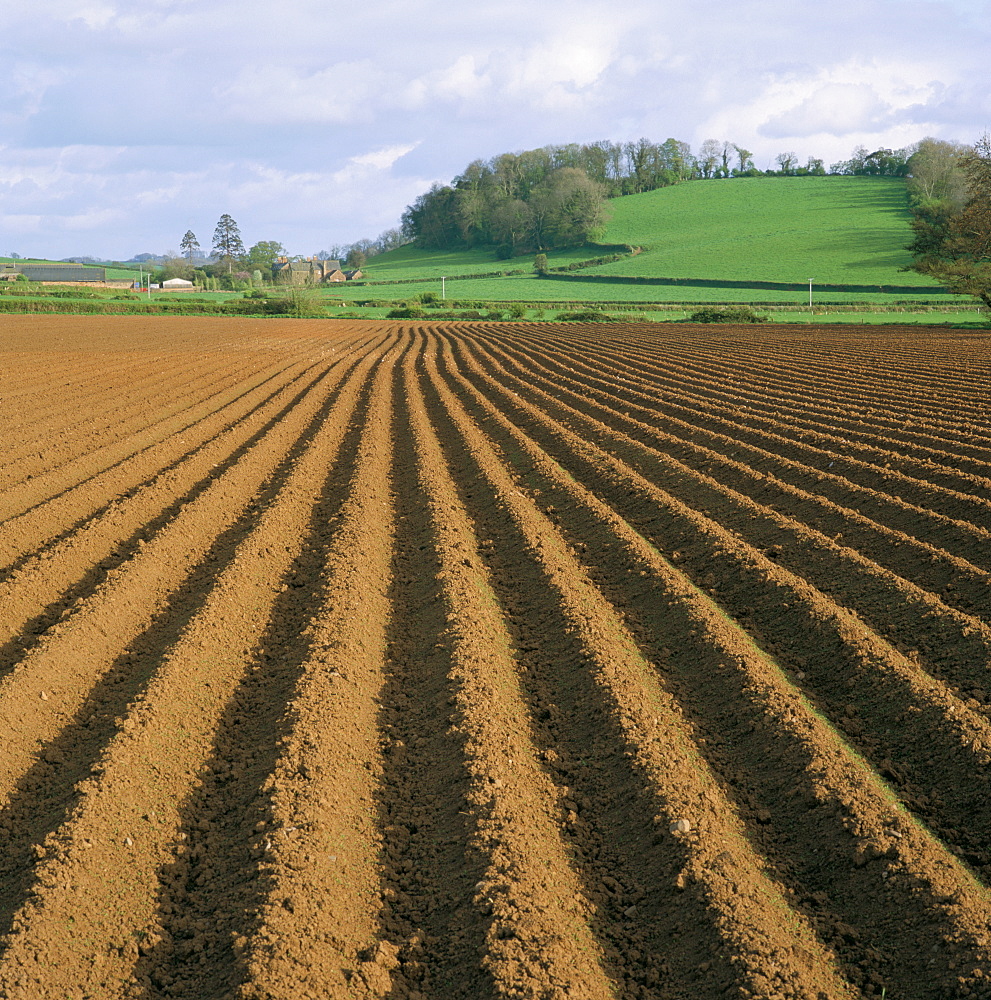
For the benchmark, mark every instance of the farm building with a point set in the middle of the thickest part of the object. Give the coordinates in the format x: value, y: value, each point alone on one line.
x: 47, y: 272
x: 310, y: 271
x: 178, y: 285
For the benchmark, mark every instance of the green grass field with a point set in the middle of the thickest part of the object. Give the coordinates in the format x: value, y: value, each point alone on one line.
x: 836, y: 230
x: 532, y: 289
x: 407, y: 263
x: 847, y: 231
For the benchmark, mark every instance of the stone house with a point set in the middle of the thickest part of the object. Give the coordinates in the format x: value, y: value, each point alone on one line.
x: 307, y: 272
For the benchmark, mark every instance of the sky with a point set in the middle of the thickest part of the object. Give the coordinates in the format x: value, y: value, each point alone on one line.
x: 122, y: 126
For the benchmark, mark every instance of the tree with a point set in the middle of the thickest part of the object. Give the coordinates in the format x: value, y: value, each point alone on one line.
x: 787, y: 162
x: 745, y: 157
x: 512, y: 221
x: 962, y: 262
x: 709, y: 155
x: 262, y: 256
x: 356, y: 258
x: 725, y: 154
x: 174, y: 266
x: 935, y: 174
x: 227, y: 243
x: 540, y: 263
x: 190, y: 246
x: 568, y: 209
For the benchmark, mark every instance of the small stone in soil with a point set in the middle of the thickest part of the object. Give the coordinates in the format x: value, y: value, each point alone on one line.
x: 680, y: 826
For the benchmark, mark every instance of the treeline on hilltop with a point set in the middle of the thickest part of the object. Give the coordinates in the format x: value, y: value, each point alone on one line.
x: 555, y: 196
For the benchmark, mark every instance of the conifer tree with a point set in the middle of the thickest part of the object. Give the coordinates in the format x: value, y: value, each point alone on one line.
x: 190, y: 246
x: 227, y: 242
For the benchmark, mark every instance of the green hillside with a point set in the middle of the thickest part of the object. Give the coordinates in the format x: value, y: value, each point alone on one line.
x: 841, y: 231
x: 836, y: 230
x: 410, y: 264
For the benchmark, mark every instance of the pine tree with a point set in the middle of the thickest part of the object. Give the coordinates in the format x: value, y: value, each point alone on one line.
x: 227, y: 241
x: 190, y: 246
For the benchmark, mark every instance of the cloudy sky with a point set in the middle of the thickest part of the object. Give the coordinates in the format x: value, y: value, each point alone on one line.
x: 122, y: 126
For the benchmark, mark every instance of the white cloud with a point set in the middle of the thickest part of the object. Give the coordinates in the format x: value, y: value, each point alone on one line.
x: 829, y: 110
x: 318, y: 124
x: 382, y: 159
x: 840, y: 100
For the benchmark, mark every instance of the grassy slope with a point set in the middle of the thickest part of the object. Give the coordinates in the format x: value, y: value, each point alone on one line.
x: 836, y: 230
x: 408, y: 263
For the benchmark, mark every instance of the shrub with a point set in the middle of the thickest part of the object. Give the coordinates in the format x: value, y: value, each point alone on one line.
x: 726, y: 314
x: 297, y: 301
x: 409, y: 312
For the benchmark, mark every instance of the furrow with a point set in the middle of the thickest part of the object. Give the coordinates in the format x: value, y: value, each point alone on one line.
x: 769, y: 359
x: 960, y: 539
x: 129, y: 818
x: 652, y: 372
x: 47, y: 687
x: 433, y: 935
x: 858, y: 679
x: 747, y: 907
x: 960, y: 583
x: 941, y: 461
x: 42, y: 406
x: 955, y: 646
x: 62, y: 460
x: 785, y: 380
x: 319, y: 929
x: 52, y: 455
x: 904, y: 914
x: 44, y: 587
x: 222, y: 895
x: 538, y: 941
x: 969, y: 505
x: 57, y: 516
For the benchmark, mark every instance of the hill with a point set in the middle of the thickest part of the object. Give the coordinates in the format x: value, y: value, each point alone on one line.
x: 704, y: 241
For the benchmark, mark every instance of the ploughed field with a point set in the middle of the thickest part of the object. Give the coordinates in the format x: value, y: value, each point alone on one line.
x: 481, y: 660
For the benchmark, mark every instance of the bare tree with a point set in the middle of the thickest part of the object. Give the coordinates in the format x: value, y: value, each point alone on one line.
x: 787, y: 162
x: 709, y: 155
x: 935, y: 173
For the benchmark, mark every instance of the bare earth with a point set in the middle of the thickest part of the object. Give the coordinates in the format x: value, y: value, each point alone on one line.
x: 443, y: 662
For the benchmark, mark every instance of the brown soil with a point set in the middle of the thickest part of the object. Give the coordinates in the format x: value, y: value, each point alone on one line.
x: 481, y: 660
